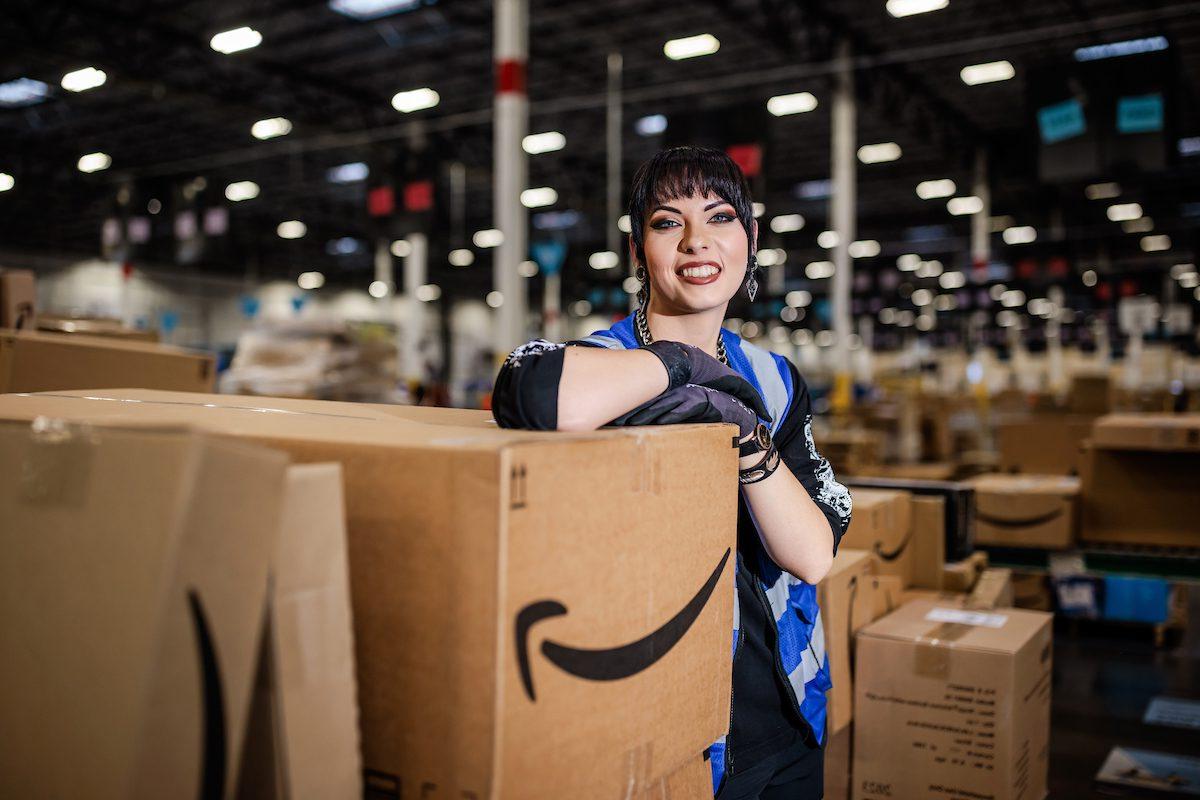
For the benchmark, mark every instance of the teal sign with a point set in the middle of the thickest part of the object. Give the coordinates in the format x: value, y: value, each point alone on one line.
x: 1061, y: 121
x: 1141, y: 114
x: 549, y: 255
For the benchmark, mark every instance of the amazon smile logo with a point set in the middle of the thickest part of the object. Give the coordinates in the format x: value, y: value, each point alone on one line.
x: 613, y: 663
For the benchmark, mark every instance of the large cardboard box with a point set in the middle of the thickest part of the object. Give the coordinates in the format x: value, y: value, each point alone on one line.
x: 18, y: 299
x: 959, y: 499
x: 960, y: 576
x: 845, y: 597
x: 1139, y: 481
x: 838, y: 778
x: 1090, y: 394
x: 134, y: 578
x: 1043, y: 444
x: 953, y: 703
x: 536, y: 615
x: 882, y: 524
x: 994, y: 589
x: 929, y: 541
x: 1037, y: 511
x: 47, y: 362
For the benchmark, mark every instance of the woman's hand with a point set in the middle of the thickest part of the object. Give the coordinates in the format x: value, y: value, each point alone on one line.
x: 686, y: 364
x: 692, y: 403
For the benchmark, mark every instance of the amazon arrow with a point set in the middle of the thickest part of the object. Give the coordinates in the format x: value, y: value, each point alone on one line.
x: 612, y: 663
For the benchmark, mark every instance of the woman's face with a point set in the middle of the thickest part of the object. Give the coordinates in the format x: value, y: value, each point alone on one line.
x: 696, y: 252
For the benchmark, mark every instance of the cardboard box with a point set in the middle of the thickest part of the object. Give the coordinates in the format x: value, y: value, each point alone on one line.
x: 929, y: 541
x: 135, y: 575
x: 1036, y: 511
x: 994, y: 589
x: 931, y: 471
x: 960, y: 507
x: 960, y: 576
x: 1139, y: 481
x: 498, y: 653
x: 691, y: 781
x: 852, y: 451
x: 92, y: 326
x: 949, y: 599
x: 882, y: 524
x: 18, y: 299
x: 846, y: 599
x: 885, y: 593
x: 1043, y: 444
x: 1032, y: 590
x: 838, y: 778
x: 1090, y: 394
x: 47, y: 362
x: 953, y: 703
x: 303, y: 735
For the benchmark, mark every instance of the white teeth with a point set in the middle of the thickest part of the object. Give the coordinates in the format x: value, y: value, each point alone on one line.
x: 699, y: 272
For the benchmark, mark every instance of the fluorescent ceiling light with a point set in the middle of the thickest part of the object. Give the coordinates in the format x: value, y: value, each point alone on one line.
x: 83, y: 79
x: 348, y: 173
x: 605, y: 259
x: 787, y: 223
x: 864, y: 248
x: 365, y: 10
x: 270, y: 128
x: 236, y: 40
x: 922, y: 297
x: 546, y: 142
x: 6, y: 181
x: 704, y: 44
x: 310, y: 280
x: 631, y: 285
x: 651, y: 125
x: 827, y: 239
x: 933, y: 189
x: 1139, y: 225
x: 527, y: 269
x: 494, y: 299
x: 401, y: 248
x: 488, y: 238
x: 461, y: 257
x: 960, y: 206
x: 784, y: 104
x: 798, y: 298
x: 1126, y: 48
x: 539, y: 197
x: 907, y: 8
x: 771, y: 257
x: 952, y: 280
x: 623, y: 224
x: 22, y: 92
x: 242, y: 190
x: 1022, y: 234
x: 428, y: 292
x: 1154, y: 244
x: 94, y: 162
x: 878, y: 153
x: 1179, y: 270
x: 991, y: 72
x: 292, y: 229
x: 415, y: 100
x: 1123, y: 211
x: 908, y: 262
x: 1102, y: 191
x: 818, y: 270
x: 1012, y: 298
x: 378, y: 289
x: 929, y: 269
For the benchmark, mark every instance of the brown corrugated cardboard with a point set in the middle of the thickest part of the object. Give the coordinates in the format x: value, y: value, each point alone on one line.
x: 47, y: 362
x: 1043, y: 444
x: 692, y: 781
x: 18, y: 299
x: 1140, y: 497
x: 960, y: 507
x: 882, y: 524
x: 92, y: 326
x: 994, y: 589
x: 960, y: 576
x: 885, y: 593
x: 1173, y: 432
x: 929, y: 541
x: 1032, y: 590
x: 931, y: 471
x: 951, y: 703
x: 838, y: 748
x: 951, y: 599
x: 845, y: 597
x: 135, y: 574
x: 497, y: 578
x: 1026, y: 510
x: 1090, y: 394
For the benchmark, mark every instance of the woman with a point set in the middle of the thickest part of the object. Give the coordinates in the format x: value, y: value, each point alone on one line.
x: 693, y: 241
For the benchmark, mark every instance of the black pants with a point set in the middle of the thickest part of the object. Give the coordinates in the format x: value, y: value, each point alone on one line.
x: 797, y: 773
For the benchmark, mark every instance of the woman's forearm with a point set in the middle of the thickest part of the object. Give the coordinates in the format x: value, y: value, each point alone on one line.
x: 599, y: 385
x: 795, y: 533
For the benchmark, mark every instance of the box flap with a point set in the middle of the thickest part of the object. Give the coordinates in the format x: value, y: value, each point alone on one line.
x: 926, y: 621
x: 1147, y: 432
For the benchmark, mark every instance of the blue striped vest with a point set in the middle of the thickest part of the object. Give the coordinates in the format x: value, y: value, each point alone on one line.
x: 801, y: 641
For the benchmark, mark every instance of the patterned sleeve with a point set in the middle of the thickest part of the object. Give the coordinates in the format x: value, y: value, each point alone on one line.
x: 794, y: 439
x: 526, y: 391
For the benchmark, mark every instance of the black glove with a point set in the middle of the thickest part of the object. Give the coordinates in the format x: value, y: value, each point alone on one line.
x: 686, y: 364
x: 692, y: 403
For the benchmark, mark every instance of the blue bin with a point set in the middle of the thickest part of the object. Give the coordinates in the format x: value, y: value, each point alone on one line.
x: 1137, y: 599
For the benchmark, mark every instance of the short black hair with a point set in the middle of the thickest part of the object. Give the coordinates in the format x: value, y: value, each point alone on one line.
x: 683, y: 172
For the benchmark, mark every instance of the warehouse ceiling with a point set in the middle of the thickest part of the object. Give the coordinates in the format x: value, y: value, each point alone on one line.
x: 175, y: 117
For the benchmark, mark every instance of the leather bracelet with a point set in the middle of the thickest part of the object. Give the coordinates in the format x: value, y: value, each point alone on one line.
x: 758, y: 441
x: 762, y: 470
x: 674, y: 359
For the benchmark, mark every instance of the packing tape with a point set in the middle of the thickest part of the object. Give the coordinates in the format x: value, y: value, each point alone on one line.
x: 931, y: 657
x: 639, y: 768
x: 57, y: 464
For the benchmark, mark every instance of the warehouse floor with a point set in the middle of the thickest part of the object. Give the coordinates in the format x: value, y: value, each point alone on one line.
x: 1104, y: 677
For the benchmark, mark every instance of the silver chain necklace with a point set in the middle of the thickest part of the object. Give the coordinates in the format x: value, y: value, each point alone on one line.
x: 644, y: 338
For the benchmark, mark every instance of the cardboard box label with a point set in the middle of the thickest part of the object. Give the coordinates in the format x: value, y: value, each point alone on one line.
x: 961, y: 617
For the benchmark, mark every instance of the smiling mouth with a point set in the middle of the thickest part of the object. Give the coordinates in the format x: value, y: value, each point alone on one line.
x: 698, y: 272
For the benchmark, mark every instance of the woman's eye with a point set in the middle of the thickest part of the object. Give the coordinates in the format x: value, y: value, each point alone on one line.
x: 722, y: 217
x: 663, y: 223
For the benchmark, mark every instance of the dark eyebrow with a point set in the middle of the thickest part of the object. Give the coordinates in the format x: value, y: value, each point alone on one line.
x: 667, y: 208
x: 714, y: 204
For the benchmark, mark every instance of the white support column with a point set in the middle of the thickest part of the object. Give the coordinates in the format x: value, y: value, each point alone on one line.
x: 511, y: 123
x: 552, y: 307
x: 981, y: 222
x: 416, y: 270
x: 842, y: 213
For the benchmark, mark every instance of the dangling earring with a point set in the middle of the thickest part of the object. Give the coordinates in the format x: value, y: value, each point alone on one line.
x: 752, y: 278
x: 643, y: 294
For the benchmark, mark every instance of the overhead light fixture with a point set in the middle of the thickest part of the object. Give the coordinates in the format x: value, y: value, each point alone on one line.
x: 428, y: 292
x: 878, y: 153
x: 798, y: 298
x: 461, y: 257
x: 348, y: 173
x: 922, y: 297
x: 952, y: 280
x: 488, y: 238
x: 539, y: 197
x: 270, y: 128
x: 908, y: 262
x: 1189, y: 281
x: 22, y: 92
x: 494, y: 299
x: 547, y: 142
x: 310, y: 280
x: 345, y: 246
x: 1124, y: 211
x: 623, y: 224
x: 817, y: 270
x: 787, y: 223
x: 242, y: 190
x: 705, y: 44
x: 1102, y: 191
x: 6, y: 181
x: 1189, y: 146
x: 1139, y: 225
x: 83, y: 79
x: 934, y: 189
x: 631, y: 285
x: 1155, y: 244
x: 1129, y: 47
x: 236, y: 40
x: 828, y: 239
x: 401, y: 248
x: 771, y: 257
x: 907, y: 8
x: 527, y: 269
x: 1179, y: 270
x: 1021, y: 234
x: 782, y: 105
x: 415, y: 100
x: 581, y: 308
x: 378, y: 289
x: 819, y: 189
x: 757, y: 210
x: 291, y: 229
x: 929, y: 269
x: 1089, y: 277
x: 991, y: 72
x: 1012, y: 298
x: 961, y: 206
x: 556, y: 220
x: 864, y: 248
x: 605, y: 259
x: 367, y: 10
x: 651, y: 125
x: 94, y: 162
